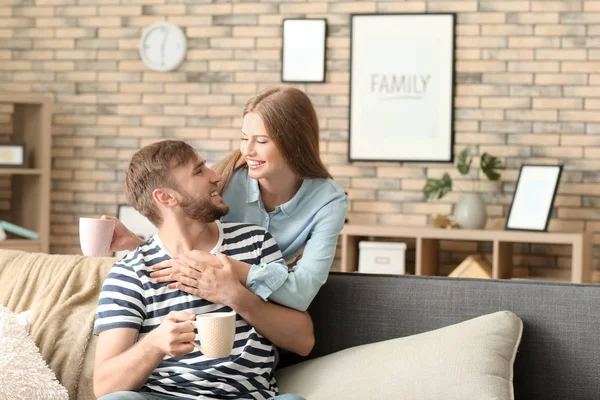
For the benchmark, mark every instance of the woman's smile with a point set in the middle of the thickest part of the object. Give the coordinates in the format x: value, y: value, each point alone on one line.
x: 253, y: 164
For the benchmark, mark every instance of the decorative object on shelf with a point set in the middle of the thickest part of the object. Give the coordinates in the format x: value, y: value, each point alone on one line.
x: 163, y: 46
x: 303, y: 51
x: 136, y: 223
x: 474, y: 266
x: 381, y: 257
x: 19, y: 230
x: 469, y: 211
x: 12, y: 155
x: 2, y: 234
x: 534, y: 196
x: 443, y: 222
x: 401, y: 87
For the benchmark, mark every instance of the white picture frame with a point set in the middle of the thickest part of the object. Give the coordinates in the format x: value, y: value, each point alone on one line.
x: 303, y: 52
x: 532, y: 203
x: 12, y: 155
x: 402, y: 87
x: 136, y: 223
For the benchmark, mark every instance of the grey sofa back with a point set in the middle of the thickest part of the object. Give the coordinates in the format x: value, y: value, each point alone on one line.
x: 559, y: 354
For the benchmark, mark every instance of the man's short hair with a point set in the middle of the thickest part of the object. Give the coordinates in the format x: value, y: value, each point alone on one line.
x: 150, y: 168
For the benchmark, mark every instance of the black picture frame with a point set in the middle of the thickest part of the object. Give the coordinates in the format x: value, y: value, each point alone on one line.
x: 374, y: 40
x: 533, y: 201
x: 304, y: 50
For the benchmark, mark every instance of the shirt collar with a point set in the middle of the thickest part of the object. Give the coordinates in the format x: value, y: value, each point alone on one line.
x: 253, y: 191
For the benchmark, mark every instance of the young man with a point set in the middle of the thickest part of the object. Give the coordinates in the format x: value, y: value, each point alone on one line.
x: 145, y: 328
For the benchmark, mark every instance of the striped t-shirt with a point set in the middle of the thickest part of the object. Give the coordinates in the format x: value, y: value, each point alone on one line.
x: 129, y: 299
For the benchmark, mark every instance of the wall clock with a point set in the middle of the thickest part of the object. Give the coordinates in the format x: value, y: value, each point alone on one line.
x: 163, y: 46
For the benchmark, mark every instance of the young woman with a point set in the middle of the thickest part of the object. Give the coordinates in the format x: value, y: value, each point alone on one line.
x: 278, y: 181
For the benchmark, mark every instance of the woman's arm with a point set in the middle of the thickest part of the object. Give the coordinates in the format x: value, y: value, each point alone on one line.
x: 298, y: 288
x: 286, y: 328
x: 295, y: 288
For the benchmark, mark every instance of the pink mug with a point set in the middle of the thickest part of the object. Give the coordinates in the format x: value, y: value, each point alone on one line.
x: 95, y: 235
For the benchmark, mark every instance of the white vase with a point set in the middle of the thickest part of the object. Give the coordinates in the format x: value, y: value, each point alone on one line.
x: 469, y: 212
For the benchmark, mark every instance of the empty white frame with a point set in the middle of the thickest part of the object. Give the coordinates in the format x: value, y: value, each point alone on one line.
x: 534, y: 197
x: 136, y: 223
x: 303, y: 52
x: 401, y: 87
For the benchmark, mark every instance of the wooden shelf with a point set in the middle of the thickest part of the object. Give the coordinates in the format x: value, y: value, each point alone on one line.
x: 30, y: 186
x: 428, y: 247
x: 20, y: 171
x: 21, y: 244
x: 461, y: 234
x: 24, y: 98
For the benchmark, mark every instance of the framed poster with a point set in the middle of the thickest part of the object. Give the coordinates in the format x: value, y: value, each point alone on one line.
x: 303, y: 50
x: 136, y: 223
x: 533, y: 200
x: 402, y: 87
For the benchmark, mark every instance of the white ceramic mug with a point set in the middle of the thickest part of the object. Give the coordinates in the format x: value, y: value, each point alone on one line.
x: 95, y: 235
x: 216, y: 332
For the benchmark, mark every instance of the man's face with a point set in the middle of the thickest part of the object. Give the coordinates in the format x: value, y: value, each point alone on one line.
x: 197, y: 188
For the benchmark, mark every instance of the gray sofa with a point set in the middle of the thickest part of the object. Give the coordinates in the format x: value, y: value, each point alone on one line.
x: 558, y: 357
x: 559, y: 354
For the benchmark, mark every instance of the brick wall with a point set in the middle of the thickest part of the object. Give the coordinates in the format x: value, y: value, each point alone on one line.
x: 527, y: 90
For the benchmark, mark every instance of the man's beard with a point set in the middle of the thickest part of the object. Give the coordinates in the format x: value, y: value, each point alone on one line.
x: 202, y: 210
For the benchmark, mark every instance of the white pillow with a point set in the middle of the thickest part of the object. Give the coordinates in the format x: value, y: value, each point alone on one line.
x: 469, y: 360
x: 25, y: 318
x: 23, y: 372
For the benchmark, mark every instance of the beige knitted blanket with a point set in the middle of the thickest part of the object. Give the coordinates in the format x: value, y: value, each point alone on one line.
x: 62, y: 291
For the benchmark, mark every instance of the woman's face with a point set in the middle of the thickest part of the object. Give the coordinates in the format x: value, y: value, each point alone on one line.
x: 262, y: 155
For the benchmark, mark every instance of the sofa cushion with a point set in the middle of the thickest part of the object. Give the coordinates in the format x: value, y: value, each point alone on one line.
x: 469, y: 360
x: 62, y: 291
x: 25, y: 374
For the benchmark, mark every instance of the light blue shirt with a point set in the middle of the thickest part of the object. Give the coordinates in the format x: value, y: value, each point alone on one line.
x: 306, y: 228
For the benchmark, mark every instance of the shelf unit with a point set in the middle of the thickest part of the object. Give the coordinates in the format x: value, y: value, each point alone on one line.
x: 21, y: 244
x: 30, y: 185
x: 20, y: 171
x: 428, y: 247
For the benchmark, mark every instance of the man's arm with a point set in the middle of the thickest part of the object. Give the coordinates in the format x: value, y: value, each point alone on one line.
x: 286, y: 328
x: 121, y: 364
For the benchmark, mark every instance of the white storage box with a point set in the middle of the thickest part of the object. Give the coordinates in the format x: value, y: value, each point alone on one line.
x: 381, y: 257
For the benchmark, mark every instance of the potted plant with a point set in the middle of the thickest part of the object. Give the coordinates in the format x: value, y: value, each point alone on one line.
x: 469, y: 211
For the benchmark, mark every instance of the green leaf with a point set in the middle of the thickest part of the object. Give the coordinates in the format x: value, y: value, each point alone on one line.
x: 437, y: 188
x: 464, y: 165
x: 489, y: 165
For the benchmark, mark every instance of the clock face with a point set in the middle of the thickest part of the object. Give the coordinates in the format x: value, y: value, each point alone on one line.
x: 163, y: 46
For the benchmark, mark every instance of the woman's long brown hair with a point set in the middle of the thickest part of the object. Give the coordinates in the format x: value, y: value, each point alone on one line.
x: 291, y: 121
